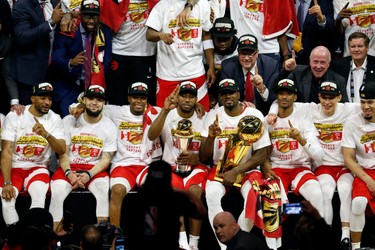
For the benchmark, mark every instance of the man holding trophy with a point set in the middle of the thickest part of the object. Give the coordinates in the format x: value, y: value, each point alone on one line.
x: 233, y: 138
x: 179, y: 128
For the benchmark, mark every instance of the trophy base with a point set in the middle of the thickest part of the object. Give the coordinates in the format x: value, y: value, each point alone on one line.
x: 221, y: 180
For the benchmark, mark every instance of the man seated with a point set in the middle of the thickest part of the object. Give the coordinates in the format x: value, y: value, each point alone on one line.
x: 90, y: 145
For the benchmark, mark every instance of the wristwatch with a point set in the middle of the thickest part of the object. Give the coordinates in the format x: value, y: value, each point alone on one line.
x: 7, y: 183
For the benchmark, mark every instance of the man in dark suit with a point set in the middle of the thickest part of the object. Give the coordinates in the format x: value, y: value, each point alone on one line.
x: 308, y: 77
x: 358, y: 68
x: 70, y: 59
x: 33, y: 22
x: 251, y: 69
x: 229, y: 233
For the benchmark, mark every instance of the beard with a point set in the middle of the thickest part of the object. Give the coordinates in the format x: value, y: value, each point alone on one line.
x: 93, y: 113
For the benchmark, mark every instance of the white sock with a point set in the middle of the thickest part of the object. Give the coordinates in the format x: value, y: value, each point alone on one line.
x: 183, y: 241
x: 356, y: 245
x: 345, y: 233
x: 193, y: 240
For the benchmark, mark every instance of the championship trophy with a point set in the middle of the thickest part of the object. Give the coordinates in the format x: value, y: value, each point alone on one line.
x: 184, y: 135
x: 249, y: 130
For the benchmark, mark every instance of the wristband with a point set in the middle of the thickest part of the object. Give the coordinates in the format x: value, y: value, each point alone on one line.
x: 208, y: 44
x: 7, y: 183
x: 47, y: 135
x: 67, y: 172
x: 88, y: 172
x: 189, y: 5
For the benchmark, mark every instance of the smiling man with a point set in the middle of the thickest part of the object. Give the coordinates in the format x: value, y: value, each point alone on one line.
x: 359, y: 156
x: 329, y: 117
x: 220, y: 125
x: 27, y: 143
x: 82, y: 57
x: 135, y: 152
x: 90, y: 145
x: 358, y: 68
x: 309, y: 77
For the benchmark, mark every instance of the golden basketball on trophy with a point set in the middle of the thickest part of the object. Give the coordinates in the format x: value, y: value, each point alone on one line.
x: 249, y: 130
x: 184, y: 135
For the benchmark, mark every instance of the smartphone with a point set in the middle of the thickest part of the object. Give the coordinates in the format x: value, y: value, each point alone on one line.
x: 120, y: 243
x: 68, y: 220
x: 293, y: 208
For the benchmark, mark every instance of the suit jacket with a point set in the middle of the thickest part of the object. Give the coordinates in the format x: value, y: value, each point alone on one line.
x: 32, y: 43
x: 267, y: 68
x: 246, y: 241
x: 303, y: 78
x: 313, y: 35
x: 342, y: 67
x: 66, y: 48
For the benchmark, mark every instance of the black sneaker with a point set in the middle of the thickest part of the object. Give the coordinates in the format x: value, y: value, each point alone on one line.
x: 346, y: 244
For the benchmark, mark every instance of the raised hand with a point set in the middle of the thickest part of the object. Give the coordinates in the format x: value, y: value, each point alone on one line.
x: 290, y: 64
x: 39, y: 128
x: 171, y: 101
x: 79, y: 59
x: 345, y: 12
x: 57, y: 14
x: 214, y: 129
x: 317, y: 12
x: 295, y: 133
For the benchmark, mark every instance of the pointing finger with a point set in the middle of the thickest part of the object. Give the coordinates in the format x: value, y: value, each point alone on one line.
x: 290, y: 124
x: 36, y: 120
x: 293, y: 55
x: 315, y: 2
x: 217, y: 119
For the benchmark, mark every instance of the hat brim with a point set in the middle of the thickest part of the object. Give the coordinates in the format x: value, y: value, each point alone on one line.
x: 220, y: 34
x: 277, y: 90
x: 43, y: 93
x: 96, y: 95
x: 138, y: 93
x: 329, y: 93
x: 188, y: 91
x: 242, y: 47
x: 93, y: 12
x: 228, y: 89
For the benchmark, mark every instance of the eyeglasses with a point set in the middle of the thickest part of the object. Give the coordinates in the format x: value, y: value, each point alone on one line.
x: 249, y: 53
x: 88, y: 17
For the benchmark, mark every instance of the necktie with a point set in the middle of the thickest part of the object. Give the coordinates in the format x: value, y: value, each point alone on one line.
x: 249, y: 90
x: 301, y: 15
x: 42, y: 5
x: 88, y: 62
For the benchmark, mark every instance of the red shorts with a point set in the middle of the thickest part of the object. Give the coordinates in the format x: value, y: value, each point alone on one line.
x: 288, y: 176
x: 22, y: 178
x: 196, y: 177
x: 130, y: 173
x: 360, y: 189
x: 334, y: 171
x: 60, y: 175
x: 167, y: 87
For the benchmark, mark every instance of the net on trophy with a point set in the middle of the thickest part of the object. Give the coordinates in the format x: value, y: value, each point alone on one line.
x: 249, y: 130
x: 184, y: 135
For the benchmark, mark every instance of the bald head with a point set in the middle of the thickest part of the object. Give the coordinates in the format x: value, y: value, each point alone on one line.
x: 320, y: 59
x: 225, y: 226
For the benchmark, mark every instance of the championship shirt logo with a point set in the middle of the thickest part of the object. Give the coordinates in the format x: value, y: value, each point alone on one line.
x: 252, y: 5
x: 368, y: 141
x: 365, y: 20
x: 31, y: 145
x: 138, y: 12
x: 329, y: 132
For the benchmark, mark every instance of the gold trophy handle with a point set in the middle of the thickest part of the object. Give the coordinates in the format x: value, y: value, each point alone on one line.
x: 221, y: 180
